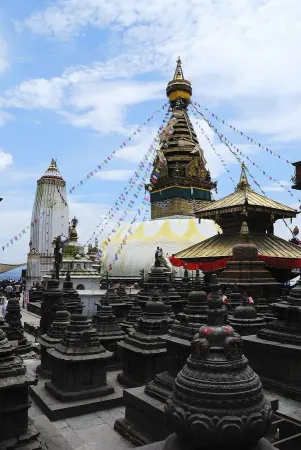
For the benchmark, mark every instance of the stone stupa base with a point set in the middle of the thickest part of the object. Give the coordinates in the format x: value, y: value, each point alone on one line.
x: 277, y: 364
x: 43, y: 372
x: 144, y: 420
x: 57, y: 410
x: 173, y: 443
x: 35, y: 308
x: 64, y: 396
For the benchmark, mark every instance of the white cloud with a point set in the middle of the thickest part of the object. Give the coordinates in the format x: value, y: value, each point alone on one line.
x: 4, y: 52
x: 6, y: 160
x: 4, y: 118
x: 245, y: 52
x: 115, y: 175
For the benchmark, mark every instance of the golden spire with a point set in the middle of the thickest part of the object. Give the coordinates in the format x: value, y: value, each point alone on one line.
x: 52, y: 165
x: 244, y: 231
x: 243, y: 183
x: 178, y: 72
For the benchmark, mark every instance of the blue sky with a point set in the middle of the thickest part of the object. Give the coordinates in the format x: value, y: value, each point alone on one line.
x: 78, y: 76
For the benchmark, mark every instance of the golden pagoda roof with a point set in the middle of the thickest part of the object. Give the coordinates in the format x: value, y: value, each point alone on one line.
x: 221, y: 245
x: 244, y: 196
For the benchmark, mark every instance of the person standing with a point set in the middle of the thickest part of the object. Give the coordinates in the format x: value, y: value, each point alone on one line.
x: 9, y: 290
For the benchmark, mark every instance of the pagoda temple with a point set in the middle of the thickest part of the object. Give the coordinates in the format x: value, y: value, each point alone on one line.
x: 229, y: 212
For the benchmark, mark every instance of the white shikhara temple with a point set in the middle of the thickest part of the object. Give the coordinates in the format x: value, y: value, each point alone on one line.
x: 50, y: 218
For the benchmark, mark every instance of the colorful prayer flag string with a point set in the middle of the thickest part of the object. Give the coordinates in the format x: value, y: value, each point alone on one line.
x: 111, y: 156
x: 253, y: 141
x: 145, y: 164
x: 211, y: 145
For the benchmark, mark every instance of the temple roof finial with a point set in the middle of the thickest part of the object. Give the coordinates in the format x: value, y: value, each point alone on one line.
x: 179, y: 72
x: 52, y: 170
x: 243, y: 181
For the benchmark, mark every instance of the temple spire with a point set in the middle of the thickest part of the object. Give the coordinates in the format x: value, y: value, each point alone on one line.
x: 243, y: 183
x: 52, y: 169
x: 179, y: 72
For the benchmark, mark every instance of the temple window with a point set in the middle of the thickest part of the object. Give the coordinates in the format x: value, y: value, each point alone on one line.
x: 80, y: 287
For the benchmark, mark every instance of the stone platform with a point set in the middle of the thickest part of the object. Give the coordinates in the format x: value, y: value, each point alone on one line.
x: 56, y: 410
x: 144, y: 420
x: 35, y: 308
x: 278, y: 365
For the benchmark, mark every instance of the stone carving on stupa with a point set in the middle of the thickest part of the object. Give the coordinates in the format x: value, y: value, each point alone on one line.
x: 51, y: 298
x: 245, y: 270
x: 159, y: 278
x: 79, y: 363
x: 121, y: 308
x: 178, y: 342
x: 70, y: 295
x: 245, y: 320
x: 14, y: 399
x: 130, y: 323
x: 143, y: 352
x: 36, y: 292
x: 53, y: 336
x: 217, y: 400
x: 109, y: 331
x: 15, y: 331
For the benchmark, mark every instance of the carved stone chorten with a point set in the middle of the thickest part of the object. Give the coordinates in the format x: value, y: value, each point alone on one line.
x: 278, y: 342
x: 51, y: 297
x: 144, y: 352
x: 70, y: 295
x: 131, y: 321
x: 53, y: 336
x: 121, y: 308
x: 36, y: 293
x: 109, y: 332
x: 15, y: 331
x: 246, y: 271
x: 79, y: 363
x: 245, y: 320
x: 217, y: 400
x: 234, y: 298
x: 185, y: 286
x: 159, y: 278
x: 122, y: 294
x: 178, y: 342
x: 14, y: 401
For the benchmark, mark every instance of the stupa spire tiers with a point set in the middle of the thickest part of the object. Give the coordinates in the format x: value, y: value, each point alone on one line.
x: 243, y: 183
x: 49, y: 220
x: 183, y: 182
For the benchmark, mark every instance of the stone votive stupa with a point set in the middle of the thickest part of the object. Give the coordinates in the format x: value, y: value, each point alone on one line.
x: 246, y: 271
x: 130, y: 323
x: 120, y: 307
x: 15, y: 331
x: 51, y: 298
x: 70, y: 295
x: 143, y: 352
x: 53, y: 336
x: 146, y: 419
x: 218, y: 400
x: 245, y: 320
x: 79, y: 363
x: 14, y: 400
x: 109, y: 332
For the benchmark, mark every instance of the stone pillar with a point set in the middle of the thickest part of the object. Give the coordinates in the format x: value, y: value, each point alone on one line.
x: 51, y: 298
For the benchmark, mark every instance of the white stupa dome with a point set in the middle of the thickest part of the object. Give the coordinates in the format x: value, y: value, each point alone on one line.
x: 172, y: 235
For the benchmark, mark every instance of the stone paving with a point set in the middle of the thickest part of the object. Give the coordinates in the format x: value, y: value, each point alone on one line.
x: 89, y: 431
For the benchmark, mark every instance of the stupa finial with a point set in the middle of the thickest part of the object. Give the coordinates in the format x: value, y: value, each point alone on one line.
x: 243, y: 183
x: 179, y: 71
